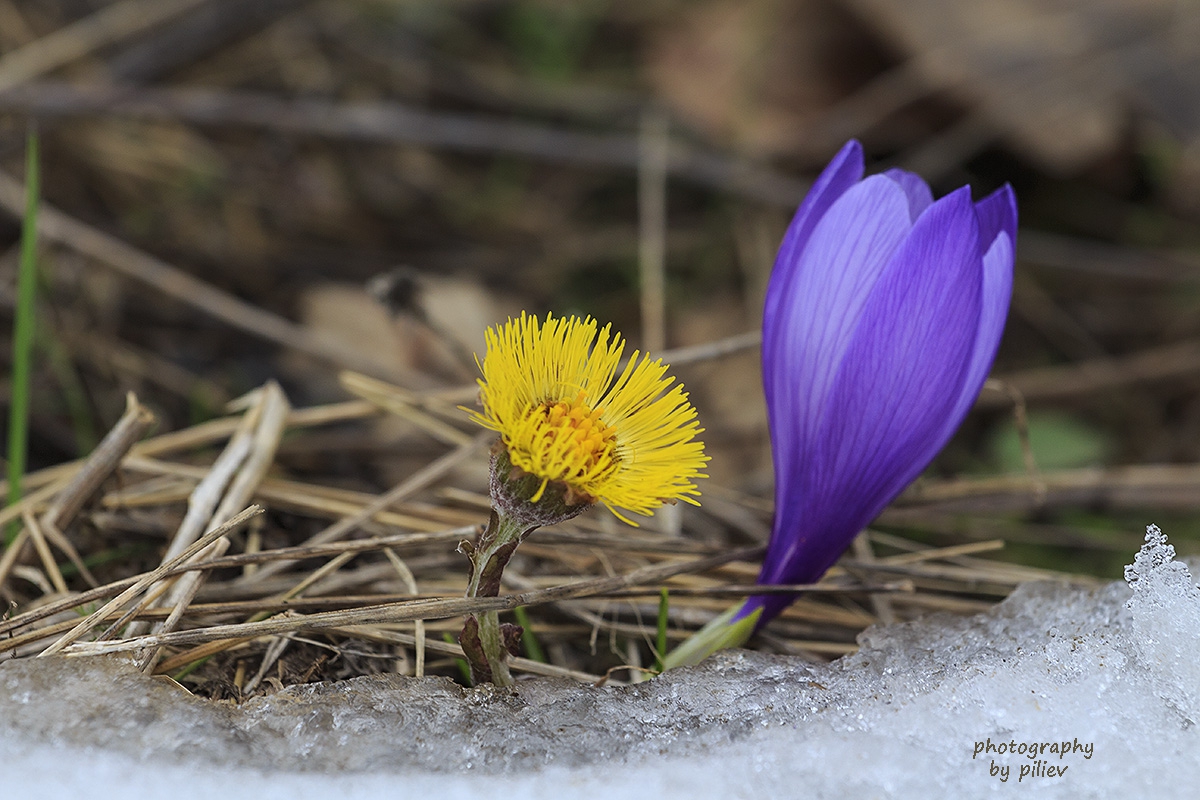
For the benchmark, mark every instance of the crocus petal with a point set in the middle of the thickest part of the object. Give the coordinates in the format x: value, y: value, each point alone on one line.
x: 833, y: 278
x: 843, y: 172
x: 915, y: 337
x: 919, y: 196
x: 997, y: 292
x: 915, y: 340
x: 997, y: 214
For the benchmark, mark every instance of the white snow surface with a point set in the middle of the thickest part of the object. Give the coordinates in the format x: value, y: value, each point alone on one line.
x: 1103, y: 685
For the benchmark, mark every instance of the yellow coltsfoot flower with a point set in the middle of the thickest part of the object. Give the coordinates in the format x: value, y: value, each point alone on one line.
x: 568, y: 418
x: 573, y: 432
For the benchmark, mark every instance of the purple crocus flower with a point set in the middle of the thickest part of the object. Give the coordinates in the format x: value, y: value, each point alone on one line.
x: 882, y: 318
x: 883, y: 315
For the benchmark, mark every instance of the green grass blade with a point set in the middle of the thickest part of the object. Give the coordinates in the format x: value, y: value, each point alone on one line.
x: 464, y: 669
x: 660, y: 643
x: 190, y: 668
x: 533, y: 648
x: 24, y: 324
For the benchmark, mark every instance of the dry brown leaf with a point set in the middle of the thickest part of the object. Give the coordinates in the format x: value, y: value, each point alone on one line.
x: 756, y: 72
x: 1057, y: 77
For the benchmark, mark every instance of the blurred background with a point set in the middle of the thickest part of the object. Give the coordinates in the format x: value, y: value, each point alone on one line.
x: 238, y: 190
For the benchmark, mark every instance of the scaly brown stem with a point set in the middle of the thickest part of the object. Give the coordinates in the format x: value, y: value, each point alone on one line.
x: 485, y: 641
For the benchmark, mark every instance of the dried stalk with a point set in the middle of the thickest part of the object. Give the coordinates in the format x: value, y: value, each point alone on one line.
x: 128, y: 594
x: 407, y: 488
x: 404, y: 612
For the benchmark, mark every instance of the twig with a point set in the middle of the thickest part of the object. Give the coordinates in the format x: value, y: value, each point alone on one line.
x: 54, y: 482
x: 416, y: 483
x: 43, y: 551
x: 1003, y: 575
x: 92, y: 619
x: 91, y: 473
x: 393, y: 123
x: 101, y: 463
x: 1108, y: 259
x: 269, y: 413
x: 203, y: 500
x: 215, y: 430
x: 446, y: 648
x: 8, y: 558
x: 747, y: 589
x: 653, y: 152
x: 1021, y: 421
x: 71, y: 42
x: 1097, y: 377
x: 396, y: 541
x: 708, y: 351
x: 410, y: 583
x: 943, y: 553
x: 1139, y: 486
x: 401, y: 403
x: 412, y: 610
x: 274, y: 651
x: 863, y: 552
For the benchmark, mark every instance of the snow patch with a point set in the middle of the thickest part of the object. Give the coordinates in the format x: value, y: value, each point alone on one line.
x: 1058, y: 691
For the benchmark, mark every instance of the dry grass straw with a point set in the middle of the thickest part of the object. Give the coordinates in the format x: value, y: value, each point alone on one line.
x: 381, y: 569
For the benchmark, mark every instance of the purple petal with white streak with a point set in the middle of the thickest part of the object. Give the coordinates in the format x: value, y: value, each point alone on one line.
x: 919, y: 196
x: 805, y: 339
x: 898, y: 380
x: 997, y: 214
x: 843, y: 172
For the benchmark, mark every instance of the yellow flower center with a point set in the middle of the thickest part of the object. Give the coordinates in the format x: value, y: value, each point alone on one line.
x: 568, y: 411
x: 571, y: 443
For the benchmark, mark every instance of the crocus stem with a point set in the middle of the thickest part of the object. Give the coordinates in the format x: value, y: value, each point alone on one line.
x: 485, y: 641
x: 722, y: 632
